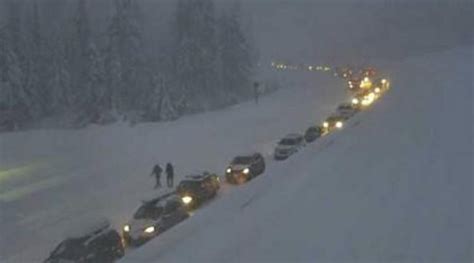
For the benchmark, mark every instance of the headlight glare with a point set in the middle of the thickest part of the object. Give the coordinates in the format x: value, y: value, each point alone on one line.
x: 187, y: 199
x: 126, y: 228
x: 150, y: 229
x: 246, y: 171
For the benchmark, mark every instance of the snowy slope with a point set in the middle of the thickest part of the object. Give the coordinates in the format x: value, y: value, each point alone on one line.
x: 396, y: 185
x: 52, y: 181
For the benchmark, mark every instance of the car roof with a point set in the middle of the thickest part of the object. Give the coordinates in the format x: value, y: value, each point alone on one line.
x: 335, y: 116
x: 293, y: 136
x: 88, y: 225
x: 344, y: 105
x: 160, y: 199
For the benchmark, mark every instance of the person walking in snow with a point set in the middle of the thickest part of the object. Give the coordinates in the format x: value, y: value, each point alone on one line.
x: 169, y: 175
x: 157, y: 173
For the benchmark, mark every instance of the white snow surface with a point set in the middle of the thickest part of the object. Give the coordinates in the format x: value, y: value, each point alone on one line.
x: 394, y: 186
x: 52, y: 181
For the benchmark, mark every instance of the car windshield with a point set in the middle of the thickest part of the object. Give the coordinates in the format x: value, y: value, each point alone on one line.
x: 287, y: 141
x: 242, y: 160
x: 148, y: 212
x: 69, y: 249
x: 189, y: 185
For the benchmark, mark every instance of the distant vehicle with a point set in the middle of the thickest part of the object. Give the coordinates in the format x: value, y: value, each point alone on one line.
x: 335, y: 121
x: 346, y: 110
x: 194, y: 190
x: 100, y: 243
x: 381, y: 85
x: 154, y: 217
x: 369, y: 72
x: 313, y: 133
x: 245, y: 168
x: 289, y: 145
x: 363, y: 99
x: 354, y: 82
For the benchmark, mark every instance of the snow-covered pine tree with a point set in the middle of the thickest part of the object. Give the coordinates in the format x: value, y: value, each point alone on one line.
x: 126, y: 78
x: 235, y: 55
x: 195, y: 54
x: 34, y: 67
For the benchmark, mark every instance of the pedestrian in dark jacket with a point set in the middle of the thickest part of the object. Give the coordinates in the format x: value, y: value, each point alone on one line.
x: 169, y: 175
x: 157, y: 173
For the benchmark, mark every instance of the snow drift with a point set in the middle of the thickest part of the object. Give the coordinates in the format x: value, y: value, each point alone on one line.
x: 395, y: 185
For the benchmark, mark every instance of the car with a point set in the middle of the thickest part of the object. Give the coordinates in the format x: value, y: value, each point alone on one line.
x: 98, y: 243
x: 381, y: 85
x: 333, y: 122
x: 244, y: 168
x: 346, y: 110
x: 289, y: 145
x: 154, y: 217
x: 363, y: 98
x: 313, y: 133
x: 194, y: 190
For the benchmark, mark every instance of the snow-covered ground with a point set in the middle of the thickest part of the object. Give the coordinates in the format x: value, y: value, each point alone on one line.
x: 51, y: 181
x: 394, y: 186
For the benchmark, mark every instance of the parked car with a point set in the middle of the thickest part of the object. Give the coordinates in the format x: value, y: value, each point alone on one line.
x: 154, y: 217
x: 98, y: 243
x: 197, y: 189
x: 244, y: 168
x: 313, y: 133
x: 289, y: 145
x: 346, y: 110
x: 335, y: 121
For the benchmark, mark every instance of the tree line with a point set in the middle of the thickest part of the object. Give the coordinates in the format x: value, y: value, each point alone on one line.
x: 96, y: 77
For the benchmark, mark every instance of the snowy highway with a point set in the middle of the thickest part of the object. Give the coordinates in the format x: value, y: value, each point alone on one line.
x: 52, y: 180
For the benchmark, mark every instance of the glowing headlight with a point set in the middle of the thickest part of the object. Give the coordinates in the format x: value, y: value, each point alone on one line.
x: 339, y: 124
x: 377, y: 90
x: 126, y: 228
x: 325, y: 124
x: 366, y: 79
x: 310, y: 68
x: 355, y: 101
x: 149, y: 229
x: 187, y: 199
x: 229, y: 170
x: 384, y: 81
x: 246, y: 171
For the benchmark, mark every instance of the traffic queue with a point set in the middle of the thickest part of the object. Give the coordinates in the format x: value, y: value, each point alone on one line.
x: 101, y: 243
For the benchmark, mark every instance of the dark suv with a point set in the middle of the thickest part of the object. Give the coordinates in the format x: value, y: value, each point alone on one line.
x: 197, y: 189
x: 244, y: 168
x: 99, y: 244
x: 154, y: 217
x: 313, y: 133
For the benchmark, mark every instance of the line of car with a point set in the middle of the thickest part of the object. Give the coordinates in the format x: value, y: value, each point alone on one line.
x: 101, y: 243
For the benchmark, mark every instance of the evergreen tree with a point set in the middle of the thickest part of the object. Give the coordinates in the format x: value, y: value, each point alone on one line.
x: 124, y: 59
x: 235, y: 55
x: 195, y: 54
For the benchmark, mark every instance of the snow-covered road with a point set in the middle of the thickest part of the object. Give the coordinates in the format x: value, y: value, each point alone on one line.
x: 51, y: 180
x: 393, y: 186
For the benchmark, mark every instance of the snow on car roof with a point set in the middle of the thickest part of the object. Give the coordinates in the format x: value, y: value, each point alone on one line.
x: 160, y: 199
x: 87, y: 225
x: 293, y: 136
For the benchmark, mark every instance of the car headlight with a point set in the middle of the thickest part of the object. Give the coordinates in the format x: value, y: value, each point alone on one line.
x: 187, y: 199
x: 377, y: 90
x: 126, y: 228
x: 149, y: 229
x: 229, y: 170
x: 339, y: 124
x: 246, y: 171
x: 355, y: 101
x: 384, y: 81
x: 325, y: 124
